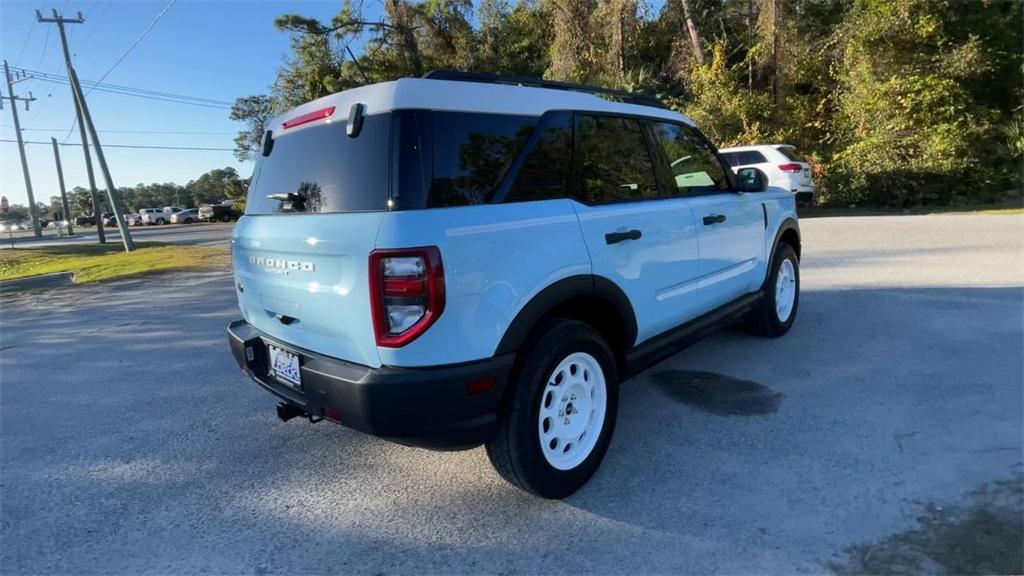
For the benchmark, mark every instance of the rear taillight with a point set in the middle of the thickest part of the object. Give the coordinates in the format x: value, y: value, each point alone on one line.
x: 790, y: 167
x: 406, y: 293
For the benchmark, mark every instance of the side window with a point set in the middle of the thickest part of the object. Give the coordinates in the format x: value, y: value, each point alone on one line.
x: 545, y: 170
x: 472, y: 153
x: 750, y: 157
x: 614, y: 163
x: 692, y: 164
x: 730, y: 158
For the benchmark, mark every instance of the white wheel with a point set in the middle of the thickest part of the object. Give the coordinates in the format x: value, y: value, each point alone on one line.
x: 785, y: 290
x: 572, y: 411
x: 555, y: 427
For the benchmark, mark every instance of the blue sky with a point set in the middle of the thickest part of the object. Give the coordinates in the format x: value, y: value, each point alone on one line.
x: 217, y: 50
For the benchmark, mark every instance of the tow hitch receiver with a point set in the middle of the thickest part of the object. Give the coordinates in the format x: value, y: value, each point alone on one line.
x: 286, y: 412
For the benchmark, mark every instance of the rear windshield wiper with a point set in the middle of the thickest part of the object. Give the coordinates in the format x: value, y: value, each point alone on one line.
x: 290, y: 201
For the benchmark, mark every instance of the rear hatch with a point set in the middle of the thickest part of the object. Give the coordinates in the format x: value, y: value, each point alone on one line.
x: 791, y: 154
x: 301, y: 252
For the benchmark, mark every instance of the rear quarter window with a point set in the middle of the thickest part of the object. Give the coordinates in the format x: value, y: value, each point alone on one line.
x: 791, y: 154
x: 471, y: 153
x: 544, y: 172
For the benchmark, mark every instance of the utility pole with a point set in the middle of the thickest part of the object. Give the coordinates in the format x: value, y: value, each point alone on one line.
x: 84, y: 124
x: 32, y: 208
x: 775, y: 51
x: 750, y: 45
x: 63, y: 192
x: 93, y: 193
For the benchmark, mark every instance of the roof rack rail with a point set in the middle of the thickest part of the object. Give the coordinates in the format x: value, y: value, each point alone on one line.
x: 487, y: 78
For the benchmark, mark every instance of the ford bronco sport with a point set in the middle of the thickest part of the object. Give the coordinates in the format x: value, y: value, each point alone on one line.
x: 467, y: 259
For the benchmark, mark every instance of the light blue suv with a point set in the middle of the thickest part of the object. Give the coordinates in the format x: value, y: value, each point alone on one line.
x: 467, y: 259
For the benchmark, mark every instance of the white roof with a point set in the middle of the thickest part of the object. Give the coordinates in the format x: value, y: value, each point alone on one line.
x: 755, y: 147
x: 459, y: 96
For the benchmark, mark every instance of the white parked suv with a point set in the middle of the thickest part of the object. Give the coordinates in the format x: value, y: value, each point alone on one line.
x: 158, y: 215
x: 781, y: 164
x: 467, y: 259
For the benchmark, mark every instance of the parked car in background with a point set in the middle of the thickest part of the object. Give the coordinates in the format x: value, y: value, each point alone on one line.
x: 158, y: 215
x: 108, y: 219
x: 11, y: 226
x: 85, y: 221
x: 188, y: 216
x: 132, y: 219
x: 781, y: 164
x: 224, y: 212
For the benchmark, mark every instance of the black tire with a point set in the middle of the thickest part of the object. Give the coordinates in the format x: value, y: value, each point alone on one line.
x: 763, y: 319
x: 515, y: 451
x: 225, y: 218
x: 160, y: 221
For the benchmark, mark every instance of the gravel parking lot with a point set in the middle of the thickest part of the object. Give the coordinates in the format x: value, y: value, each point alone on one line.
x: 131, y: 443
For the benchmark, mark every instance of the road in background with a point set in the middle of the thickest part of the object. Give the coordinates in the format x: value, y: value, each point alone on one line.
x: 147, y: 451
x: 213, y: 233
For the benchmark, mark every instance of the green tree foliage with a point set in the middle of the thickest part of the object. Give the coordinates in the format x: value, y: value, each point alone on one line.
x: 254, y: 111
x: 513, y: 40
x: 17, y: 213
x: 909, y: 130
x: 896, y: 103
x: 216, y: 186
x: 81, y: 201
x: 154, y: 195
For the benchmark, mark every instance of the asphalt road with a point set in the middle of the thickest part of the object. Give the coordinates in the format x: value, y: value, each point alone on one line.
x: 130, y: 442
x: 200, y: 233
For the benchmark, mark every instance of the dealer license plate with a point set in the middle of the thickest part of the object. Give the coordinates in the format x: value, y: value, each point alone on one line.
x: 285, y: 366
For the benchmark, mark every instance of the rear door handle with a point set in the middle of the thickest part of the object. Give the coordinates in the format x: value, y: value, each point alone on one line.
x: 616, y: 237
x: 714, y: 219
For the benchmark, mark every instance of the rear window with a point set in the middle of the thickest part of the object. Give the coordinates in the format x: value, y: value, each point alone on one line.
x: 791, y: 154
x: 322, y: 170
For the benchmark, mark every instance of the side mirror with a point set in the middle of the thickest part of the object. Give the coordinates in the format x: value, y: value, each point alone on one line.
x: 750, y: 180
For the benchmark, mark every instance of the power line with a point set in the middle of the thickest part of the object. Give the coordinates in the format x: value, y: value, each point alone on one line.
x: 197, y: 132
x: 96, y: 23
x: 123, y: 56
x: 25, y: 45
x: 118, y: 88
x: 46, y: 42
x: 141, y: 146
x: 137, y: 40
x: 136, y: 94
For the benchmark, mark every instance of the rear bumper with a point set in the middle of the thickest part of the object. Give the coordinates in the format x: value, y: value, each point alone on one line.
x: 805, y: 196
x: 427, y: 407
